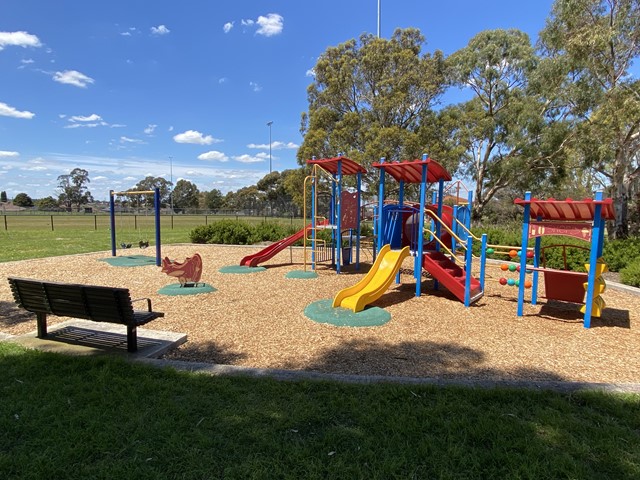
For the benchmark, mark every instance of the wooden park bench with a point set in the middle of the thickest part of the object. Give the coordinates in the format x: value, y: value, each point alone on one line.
x: 90, y: 302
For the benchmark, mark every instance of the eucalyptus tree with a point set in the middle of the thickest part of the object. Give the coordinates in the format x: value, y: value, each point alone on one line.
x: 73, y: 189
x: 149, y: 184
x: 594, y: 44
x: 367, y: 98
x: 505, y: 136
x: 185, y: 195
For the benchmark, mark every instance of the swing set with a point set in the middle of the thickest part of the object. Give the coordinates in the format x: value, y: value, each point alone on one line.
x: 143, y: 243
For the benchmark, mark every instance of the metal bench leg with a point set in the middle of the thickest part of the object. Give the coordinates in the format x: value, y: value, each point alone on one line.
x: 132, y: 338
x: 42, y: 324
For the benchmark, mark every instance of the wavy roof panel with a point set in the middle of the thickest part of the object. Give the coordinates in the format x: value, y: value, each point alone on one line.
x: 552, y: 209
x: 410, y: 171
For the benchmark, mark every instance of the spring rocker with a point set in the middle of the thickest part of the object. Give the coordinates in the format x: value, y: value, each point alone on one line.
x: 581, y: 219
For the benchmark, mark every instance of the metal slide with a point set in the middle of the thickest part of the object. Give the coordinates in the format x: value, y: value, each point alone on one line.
x: 375, y: 283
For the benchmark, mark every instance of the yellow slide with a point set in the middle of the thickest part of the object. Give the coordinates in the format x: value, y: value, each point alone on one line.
x: 375, y: 282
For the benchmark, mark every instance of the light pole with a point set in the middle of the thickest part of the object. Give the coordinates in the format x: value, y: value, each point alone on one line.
x: 171, y: 181
x: 269, y: 125
x: 379, y: 18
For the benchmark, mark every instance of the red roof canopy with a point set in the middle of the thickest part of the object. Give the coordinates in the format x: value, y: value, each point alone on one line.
x: 568, y: 209
x: 349, y: 167
x: 410, y: 171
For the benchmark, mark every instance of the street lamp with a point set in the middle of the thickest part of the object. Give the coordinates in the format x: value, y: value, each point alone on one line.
x: 269, y: 125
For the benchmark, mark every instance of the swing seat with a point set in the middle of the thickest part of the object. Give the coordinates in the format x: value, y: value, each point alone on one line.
x: 125, y: 245
x: 143, y: 243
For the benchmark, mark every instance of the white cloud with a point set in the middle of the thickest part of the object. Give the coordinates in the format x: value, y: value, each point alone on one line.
x: 195, y: 137
x: 91, y: 118
x: 251, y: 158
x: 310, y: 73
x: 255, y: 86
x: 99, y: 177
x: 73, y: 77
x: 227, y: 27
x: 213, y: 155
x: 223, y: 80
x: 5, y: 153
x: 247, y: 23
x: 124, y: 139
x: 9, y: 111
x: 89, y: 121
x: 160, y: 30
x: 150, y: 129
x: 270, y: 25
x: 26, y: 61
x: 18, y: 39
x: 274, y: 145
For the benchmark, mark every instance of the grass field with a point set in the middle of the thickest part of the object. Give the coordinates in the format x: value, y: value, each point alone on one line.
x: 65, y: 417
x: 38, y: 236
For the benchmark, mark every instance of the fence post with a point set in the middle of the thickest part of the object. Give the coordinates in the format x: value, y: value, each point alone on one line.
x: 172, y: 221
x: 95, y: 222
x: 51, y: 222
x: 5, y: 222
x: 206, y: 219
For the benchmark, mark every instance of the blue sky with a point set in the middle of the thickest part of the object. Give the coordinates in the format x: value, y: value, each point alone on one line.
x: 184, y: 90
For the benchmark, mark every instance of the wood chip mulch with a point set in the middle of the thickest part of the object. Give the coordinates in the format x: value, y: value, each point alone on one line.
x: 258, y: 320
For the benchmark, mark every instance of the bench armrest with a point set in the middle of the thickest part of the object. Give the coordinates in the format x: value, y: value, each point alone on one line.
x: 148, y: 302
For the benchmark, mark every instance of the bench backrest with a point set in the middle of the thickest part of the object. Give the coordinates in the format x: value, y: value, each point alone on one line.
x: 92, y: 302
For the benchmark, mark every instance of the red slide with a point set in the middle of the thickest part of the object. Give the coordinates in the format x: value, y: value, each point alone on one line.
x: 450, y: 275
x: 269, y: 251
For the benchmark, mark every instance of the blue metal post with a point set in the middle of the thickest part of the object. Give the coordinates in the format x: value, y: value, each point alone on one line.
x: 156, y: 203
x: 314, y: 179
x: 417, y: 268
x: 358, y: 218
x: 339, y: 217
x: 483, y: 259
x: 535, y: 275
x: 593, y: 259
x: 523, y: 259
x: 112, y: 219
x: 468, y: 265
x: 380, y: 205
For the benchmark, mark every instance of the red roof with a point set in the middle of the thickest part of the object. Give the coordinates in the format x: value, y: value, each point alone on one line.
x: 410, y: 171
x: 349, y: 167
x: 568, y: 209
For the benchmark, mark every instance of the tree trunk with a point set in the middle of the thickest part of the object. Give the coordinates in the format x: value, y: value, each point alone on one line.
x: 620, y: 189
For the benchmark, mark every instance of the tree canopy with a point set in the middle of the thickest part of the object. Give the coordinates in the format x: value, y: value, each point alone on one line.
x: 73, y: 189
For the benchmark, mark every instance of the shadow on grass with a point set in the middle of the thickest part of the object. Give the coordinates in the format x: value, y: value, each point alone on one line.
x: 71, y: 417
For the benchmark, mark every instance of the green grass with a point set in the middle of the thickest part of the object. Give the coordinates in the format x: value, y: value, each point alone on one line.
x: 32, y: 236
x: 79, y: 417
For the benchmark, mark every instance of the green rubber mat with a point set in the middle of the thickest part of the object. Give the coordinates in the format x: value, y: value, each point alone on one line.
x: 130, y: 261
x: 322, y: 312
x: 301, y: 274
x: 176, y: 289
x: 240, y: 269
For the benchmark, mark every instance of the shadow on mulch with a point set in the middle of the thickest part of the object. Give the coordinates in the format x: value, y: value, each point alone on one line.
x: 444, y: 360
x: 11, y: 315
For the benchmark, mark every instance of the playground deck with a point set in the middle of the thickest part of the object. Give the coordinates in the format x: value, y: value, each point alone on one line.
x: 257, y: 320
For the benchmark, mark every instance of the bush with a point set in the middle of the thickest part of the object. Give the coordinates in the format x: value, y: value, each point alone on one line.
x: 630, y: 275
x: 227, y: 232
x: 620, y: 253
x: 269, y: 232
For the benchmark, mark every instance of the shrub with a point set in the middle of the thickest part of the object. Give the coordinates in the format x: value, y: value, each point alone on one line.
x: 630, y: 275
x: 620, y: 253
x: 228, y: 232
x: 269, y: 232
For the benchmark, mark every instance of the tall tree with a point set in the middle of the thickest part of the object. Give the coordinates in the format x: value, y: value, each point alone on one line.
x: 150, y: 184
x: 73, y: 189
x: 367, y: 98
x: 185, y: 195
x: 594, y: 43
x: 22, y: 200
x: 213, y: 200
x: 502, y: 137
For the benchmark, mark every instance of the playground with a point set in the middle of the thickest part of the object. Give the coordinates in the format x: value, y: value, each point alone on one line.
x: 258, y: 320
